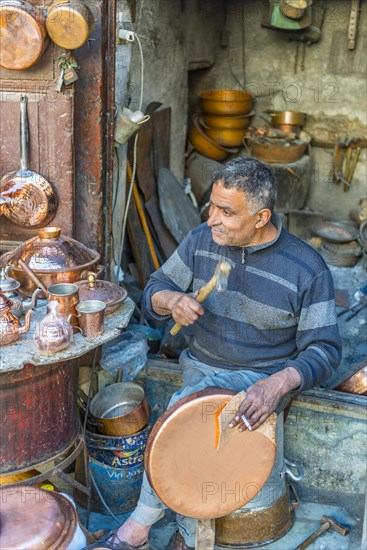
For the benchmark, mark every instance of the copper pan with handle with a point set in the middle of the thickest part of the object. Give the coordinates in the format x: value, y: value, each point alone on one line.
x: 188, y: 471
x: 28, y: 199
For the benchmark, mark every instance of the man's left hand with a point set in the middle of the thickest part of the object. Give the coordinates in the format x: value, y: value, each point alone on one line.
x: 262, y: 398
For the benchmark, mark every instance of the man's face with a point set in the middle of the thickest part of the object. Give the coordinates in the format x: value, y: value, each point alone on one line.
x: 231, y: 219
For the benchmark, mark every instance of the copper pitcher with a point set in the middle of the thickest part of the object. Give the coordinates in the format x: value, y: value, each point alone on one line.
x: 10, y: 327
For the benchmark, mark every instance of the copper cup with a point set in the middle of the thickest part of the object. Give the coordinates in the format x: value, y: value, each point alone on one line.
x: 67, y: 296
x: 91, y: 318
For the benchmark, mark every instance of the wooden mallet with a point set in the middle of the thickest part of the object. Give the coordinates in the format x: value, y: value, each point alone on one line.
x: 218, y: 281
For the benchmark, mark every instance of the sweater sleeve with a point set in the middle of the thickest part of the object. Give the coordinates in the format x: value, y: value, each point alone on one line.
x: 176, y: 274
x: 318, y: 341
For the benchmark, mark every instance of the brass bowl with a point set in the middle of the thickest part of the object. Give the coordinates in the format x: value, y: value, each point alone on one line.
x: 228, y: 137
x: 293, y: 118
x: 237, y: 122
x: 203, y: 144
x: 226, y: 102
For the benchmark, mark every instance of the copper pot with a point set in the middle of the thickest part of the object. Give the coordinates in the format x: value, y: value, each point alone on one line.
x: 23, y: 35
x: 120, y: 409
x: 294, y: 118
x: 226, y: 102
x: 53, y: 257
x: 96, y: 289
x: 10, y: 327
x: 69, y: 23
x: 36, y: 519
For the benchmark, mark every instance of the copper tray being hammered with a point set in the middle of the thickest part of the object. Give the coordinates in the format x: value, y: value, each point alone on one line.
x: 188, y: 473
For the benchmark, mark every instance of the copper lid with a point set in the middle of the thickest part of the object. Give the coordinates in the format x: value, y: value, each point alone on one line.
x: 187, y: 471
x: 35, y: 519
x: 7, y: 284
x: 5, y: 303
x: 96, y: 289
x: 51, y: 251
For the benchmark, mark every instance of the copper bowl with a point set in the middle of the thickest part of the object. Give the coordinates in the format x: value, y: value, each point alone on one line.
x: 53, y: 257
x: 237, y: 122
x: 274, y: 153
x: 294, y: 118
x: 226, y: 137
x: 226, y: 102
x: 203, y: 144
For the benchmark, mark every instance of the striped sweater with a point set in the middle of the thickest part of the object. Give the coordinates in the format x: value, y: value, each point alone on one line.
x: 277, y: 312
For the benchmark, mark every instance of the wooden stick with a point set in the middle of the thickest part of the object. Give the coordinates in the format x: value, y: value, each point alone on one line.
x: 143, y: 220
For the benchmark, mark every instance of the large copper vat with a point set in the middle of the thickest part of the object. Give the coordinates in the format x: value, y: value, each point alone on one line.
x: 39, y: 414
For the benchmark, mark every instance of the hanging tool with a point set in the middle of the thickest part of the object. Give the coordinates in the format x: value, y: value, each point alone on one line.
x: 218, y: 281
x: 353, y: 165
x: 353, y: 24
x: 327, y: 522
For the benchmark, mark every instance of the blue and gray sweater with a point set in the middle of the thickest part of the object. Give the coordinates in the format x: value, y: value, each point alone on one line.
x: 277, y: 312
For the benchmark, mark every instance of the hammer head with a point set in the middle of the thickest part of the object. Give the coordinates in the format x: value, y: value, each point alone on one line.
x: 335, y: 526
x: 222, y: 272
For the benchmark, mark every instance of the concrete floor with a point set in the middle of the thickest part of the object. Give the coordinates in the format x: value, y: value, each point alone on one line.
x: 307, y: 521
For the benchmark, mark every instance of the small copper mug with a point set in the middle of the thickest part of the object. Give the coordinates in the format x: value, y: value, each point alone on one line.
x: 67, y: 296
x: 91, y: 315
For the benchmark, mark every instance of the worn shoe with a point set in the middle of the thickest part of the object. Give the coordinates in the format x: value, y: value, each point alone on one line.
x: 116, y: 544
x: 177, y: 543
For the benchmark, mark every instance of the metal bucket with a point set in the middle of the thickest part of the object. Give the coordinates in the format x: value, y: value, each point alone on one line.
x: 119, y: 487
x: 117, y: 465
x: 124, y: 451
x: 269, y: 515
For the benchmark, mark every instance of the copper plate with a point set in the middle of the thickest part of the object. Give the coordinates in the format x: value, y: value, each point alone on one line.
x: 187, y: 472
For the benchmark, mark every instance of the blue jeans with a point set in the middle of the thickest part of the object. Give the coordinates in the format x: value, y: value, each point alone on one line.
x: 196, y: 376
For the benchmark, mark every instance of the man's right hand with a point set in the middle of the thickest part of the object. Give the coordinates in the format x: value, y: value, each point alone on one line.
x: 183, y: 307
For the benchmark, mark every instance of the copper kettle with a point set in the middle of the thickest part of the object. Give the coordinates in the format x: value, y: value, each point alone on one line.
x: 9, y: 287
x: 10, y: 327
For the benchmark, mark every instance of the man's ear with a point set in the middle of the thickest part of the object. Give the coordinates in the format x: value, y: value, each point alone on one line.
x: 263, y: 217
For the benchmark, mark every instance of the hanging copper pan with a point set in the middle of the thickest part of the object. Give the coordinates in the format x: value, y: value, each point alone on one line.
x: 69, y: 23
x: 23, y: 36
x: 28, y: 199
x: 187, y: 471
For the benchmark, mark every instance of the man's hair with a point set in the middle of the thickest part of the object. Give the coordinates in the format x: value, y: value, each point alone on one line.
x: 250, y: 176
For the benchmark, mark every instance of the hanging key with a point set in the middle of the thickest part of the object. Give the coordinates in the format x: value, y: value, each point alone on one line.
x: 60, y: 81
x: 69, y: 66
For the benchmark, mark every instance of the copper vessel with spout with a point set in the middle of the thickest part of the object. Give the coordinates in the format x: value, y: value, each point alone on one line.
x: 9, y: 287
x: 53, y: 257
x: 10, y: 327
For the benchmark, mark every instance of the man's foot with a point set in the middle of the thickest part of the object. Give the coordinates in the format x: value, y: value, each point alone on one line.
x: 133, y: 533
x: 130, y: 536
x: 177, y: 543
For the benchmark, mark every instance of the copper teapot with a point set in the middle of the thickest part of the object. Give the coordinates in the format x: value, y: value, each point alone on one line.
x: 9, y: 287
x: 10, y: 327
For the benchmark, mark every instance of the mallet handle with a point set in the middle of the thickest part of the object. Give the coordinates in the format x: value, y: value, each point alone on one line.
x: 202, y: 295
